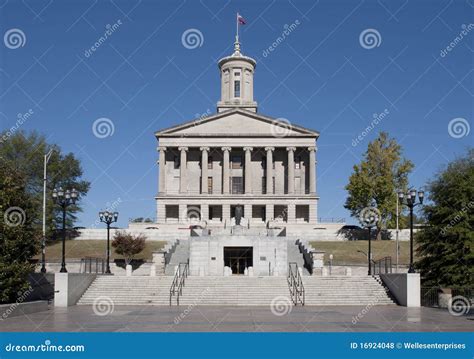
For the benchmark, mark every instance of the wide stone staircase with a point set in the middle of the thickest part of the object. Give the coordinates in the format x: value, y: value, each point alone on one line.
x: 342, y: 290
x: 236, y: 290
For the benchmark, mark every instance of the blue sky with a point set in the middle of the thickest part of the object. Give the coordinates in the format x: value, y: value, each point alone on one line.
x: 322, y: 76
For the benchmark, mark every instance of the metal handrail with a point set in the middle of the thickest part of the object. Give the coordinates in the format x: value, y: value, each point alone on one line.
x: 99, y: 265
x: 177, y: 285
x: 295, y: 284
x: 382, y: 266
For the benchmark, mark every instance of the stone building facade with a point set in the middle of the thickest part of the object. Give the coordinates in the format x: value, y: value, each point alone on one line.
x: 237, y: 160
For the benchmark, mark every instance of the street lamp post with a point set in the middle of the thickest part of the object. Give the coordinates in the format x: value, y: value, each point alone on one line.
x: 43, y: 241
x: 64, y: 199
x: 108, y: 218
x: 369, y: 222
x: 410, y: 202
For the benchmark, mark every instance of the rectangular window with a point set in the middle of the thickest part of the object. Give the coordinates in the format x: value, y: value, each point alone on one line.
x: 237, y: 185
x: 176, y: 162
x: 237, y: 88
x: 273, y: 189
x: 209, y: 163
x: 236, y: 162
x: 264, y: 185
x: 209, y: 185
x: 264, y: 162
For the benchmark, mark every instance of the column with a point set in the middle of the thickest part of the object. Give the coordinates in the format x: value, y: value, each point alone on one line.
x: 204, y: 212
x: 225, y: 170
x: 269, y: 212
x: 248, y: 170
x: 291, y: 169
x: 269, y: 170
x: 312, y: 170
x: 291, y: 213
x: 182, y: 170
x: 226, y: 214
x: 162, y: 169
x: 204, y: 156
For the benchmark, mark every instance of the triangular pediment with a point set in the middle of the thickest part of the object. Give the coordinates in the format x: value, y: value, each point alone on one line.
x: 235, y: 123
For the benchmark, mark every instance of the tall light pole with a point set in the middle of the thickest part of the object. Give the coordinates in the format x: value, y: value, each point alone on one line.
x: 64, y: 199
x: 370, y: 219
x: 43, y: 241
x: 108, y: 218
x: 410, y: 202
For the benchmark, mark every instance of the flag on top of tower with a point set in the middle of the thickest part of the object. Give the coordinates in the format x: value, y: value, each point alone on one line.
x: 240, y: 19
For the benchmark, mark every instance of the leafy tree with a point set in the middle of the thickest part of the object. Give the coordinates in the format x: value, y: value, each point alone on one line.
x: 446, y: 244
x: 19, y: 237
x: 25, y: 153
x: 128, y: 245
x: 377, y: 179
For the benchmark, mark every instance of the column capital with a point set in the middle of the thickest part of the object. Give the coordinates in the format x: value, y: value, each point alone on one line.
x: 248, y: 148
x: 293, y: 149
x: 311, y: 148
x: 204, y: 149
x: 182, y: 148
x: 226, y: 149
x: 161, y: 148
x: 269, y: 149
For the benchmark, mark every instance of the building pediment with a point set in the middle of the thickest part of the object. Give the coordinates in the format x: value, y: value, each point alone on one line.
x: 237, y: 123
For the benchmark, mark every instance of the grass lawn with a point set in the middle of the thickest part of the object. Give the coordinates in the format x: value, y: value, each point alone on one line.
x: 346, y: 252
x: 94, y: 248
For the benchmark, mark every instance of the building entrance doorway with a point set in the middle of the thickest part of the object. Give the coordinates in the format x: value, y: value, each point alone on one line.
x: 238, y: 258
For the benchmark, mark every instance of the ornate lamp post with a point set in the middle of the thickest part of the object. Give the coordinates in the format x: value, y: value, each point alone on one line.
x: 369, y: 219
x: 108, y: 218
x: 64, y: 199
x: 410, y: 202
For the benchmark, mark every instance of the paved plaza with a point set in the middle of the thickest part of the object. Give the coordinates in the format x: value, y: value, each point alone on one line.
x: 240, y: 319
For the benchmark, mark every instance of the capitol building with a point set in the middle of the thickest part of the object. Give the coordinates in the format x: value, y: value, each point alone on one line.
x: 238, y: 179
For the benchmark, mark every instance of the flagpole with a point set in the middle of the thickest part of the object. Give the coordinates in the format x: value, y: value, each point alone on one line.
x: 237, y: 27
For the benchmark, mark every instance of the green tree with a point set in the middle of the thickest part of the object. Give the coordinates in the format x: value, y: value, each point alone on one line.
x: 446, y: 244
x: 24, y: 152
x: 19, y: 237
x: 377, y: 179
x: 128, y: 245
